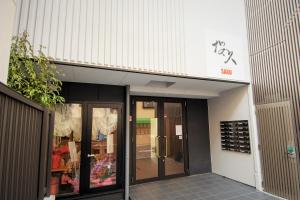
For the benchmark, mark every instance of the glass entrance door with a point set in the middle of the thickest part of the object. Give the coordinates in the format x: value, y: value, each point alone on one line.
x: 103, y: 143
x: 158, y: 133
x: 147, y: 140
x: 173, y: 139
x: 87, y: 146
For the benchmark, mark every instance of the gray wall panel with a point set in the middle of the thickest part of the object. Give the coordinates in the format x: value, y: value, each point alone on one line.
x: 198, y: 136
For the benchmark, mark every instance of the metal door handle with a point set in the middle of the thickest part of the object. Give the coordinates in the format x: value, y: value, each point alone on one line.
x: 157, y: 146
x: 90, y: 155
x: 166, y: 144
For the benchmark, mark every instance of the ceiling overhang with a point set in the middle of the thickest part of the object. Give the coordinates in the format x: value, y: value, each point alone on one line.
x: 147, y: 84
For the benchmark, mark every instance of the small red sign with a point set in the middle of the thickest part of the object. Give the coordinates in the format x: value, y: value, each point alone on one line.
x: 226, y: 71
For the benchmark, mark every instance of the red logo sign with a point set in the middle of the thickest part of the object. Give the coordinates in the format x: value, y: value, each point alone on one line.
x: 226, y: 71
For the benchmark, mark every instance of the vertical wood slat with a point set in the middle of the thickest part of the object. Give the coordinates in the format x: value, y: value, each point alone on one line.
x: 21, y: 144
x: 274, y: 46
x: 280, y: 172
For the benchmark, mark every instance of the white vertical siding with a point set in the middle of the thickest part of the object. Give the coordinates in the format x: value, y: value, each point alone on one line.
x: 144, y: 35
x: 7, y: 13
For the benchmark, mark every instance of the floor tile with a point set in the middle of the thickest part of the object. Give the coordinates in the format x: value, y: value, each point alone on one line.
x: 198, y: 187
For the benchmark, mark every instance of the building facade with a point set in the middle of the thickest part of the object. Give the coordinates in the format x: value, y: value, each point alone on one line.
x: 163, y: 89
x: 171, y: 68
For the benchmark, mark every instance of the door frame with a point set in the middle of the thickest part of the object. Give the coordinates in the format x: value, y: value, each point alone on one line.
x: 87, y: 148
x: 160, y: 115
x: 83, y: 188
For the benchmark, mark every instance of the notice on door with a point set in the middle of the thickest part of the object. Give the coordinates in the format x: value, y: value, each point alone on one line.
x: 178, y: 129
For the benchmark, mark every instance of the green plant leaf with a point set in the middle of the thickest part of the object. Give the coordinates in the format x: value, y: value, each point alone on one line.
x: 33, y: 75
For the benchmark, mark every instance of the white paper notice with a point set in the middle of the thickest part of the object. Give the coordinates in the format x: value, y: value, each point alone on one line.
x: 110, y: 143
x: 178, y: 129
x: 73, y: 152
x: 180, y: 137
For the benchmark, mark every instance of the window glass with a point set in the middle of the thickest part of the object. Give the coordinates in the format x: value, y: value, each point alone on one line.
x: 103, y: 157
x: 66, y: 149
x: 147, y: 140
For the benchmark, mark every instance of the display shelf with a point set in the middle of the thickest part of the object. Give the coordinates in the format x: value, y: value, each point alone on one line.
x: 235, y: 136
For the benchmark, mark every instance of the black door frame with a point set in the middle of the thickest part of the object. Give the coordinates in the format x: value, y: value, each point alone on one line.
x: 86, y: 114
x: 87, y: 149
x: 160, y: 115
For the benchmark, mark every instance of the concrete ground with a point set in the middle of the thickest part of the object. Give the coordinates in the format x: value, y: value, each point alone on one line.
x: 198, y: 187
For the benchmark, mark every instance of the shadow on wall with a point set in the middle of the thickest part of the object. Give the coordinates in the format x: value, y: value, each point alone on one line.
x: 231, y: 105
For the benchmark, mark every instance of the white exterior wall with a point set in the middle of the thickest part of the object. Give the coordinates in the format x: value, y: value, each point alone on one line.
x: 207, y: 21
x: 144, y: 35
x: 233, y: 105
x: 161, y: 36
x: 7, y: 14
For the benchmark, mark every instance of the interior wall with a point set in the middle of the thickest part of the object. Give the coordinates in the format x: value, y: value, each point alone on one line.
x: 7, y: 14
x: 149, y: 138
x: 231, y: 105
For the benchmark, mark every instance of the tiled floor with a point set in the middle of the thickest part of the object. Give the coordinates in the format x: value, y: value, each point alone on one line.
x: 199, y: 187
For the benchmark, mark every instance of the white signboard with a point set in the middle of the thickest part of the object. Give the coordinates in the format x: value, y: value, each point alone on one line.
x: 178, y: 129
x: 224, y: 58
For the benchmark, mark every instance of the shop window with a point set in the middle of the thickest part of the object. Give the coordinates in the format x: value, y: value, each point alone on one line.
x: 66, y: 149
x: 103, y: 147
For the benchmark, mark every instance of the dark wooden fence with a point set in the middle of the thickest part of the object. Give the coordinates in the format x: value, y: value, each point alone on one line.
x: 25, y: 147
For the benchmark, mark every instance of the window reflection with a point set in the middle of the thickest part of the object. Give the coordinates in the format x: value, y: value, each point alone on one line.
x: 147, y: 147
x: 66, y: 149
x: 174, y: 161
x: 103, y: 147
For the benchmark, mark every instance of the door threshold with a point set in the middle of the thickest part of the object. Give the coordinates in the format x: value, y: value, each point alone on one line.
x: 109, y: 195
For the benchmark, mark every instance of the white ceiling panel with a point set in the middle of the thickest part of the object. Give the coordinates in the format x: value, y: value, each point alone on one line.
x: 188, y: 87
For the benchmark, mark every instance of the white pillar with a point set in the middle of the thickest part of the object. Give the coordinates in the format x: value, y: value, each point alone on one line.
x: 255, y: 141
x: 7, y: 15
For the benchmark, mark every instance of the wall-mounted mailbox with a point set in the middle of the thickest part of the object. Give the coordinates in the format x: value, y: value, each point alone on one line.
x: 235, y: 136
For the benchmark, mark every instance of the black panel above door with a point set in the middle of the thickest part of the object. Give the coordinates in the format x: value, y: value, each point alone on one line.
x: 93, y: 92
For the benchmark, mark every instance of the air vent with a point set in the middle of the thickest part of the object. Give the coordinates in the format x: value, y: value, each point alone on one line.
x: 160, y: 84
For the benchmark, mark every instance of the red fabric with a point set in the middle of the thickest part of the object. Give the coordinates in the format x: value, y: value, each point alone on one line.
x: 56, y: 161
x: 64, y: 149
